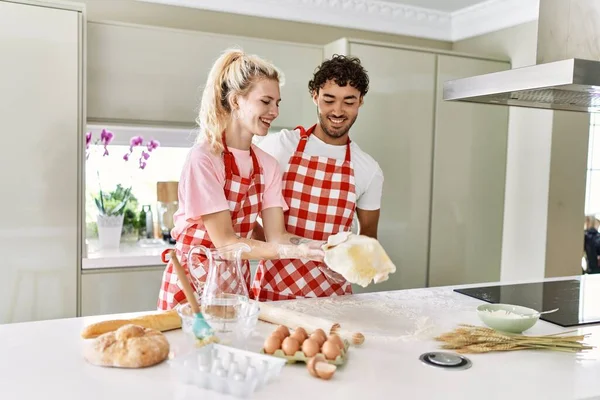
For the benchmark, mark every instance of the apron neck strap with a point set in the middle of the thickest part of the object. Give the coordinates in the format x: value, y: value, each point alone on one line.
x: 231, y: 167
x: 304, y: 134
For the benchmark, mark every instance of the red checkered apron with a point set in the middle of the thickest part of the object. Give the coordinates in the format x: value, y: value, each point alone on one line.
x: 321, y: 196
x: 245, y: 199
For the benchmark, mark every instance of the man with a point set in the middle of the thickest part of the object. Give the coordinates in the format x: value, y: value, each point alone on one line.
x: 327, y: 180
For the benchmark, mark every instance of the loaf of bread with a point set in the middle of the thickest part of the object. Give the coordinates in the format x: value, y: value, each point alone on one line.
x: 162, y: 321
x: 130, y: 346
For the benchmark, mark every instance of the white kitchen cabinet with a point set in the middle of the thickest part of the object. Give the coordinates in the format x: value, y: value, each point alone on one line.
x: 155, y: 75
x: 469, y: 168
x: 112, y: 291
x: 444, y: 164
x: 395, y: 126
x: 41, y: 128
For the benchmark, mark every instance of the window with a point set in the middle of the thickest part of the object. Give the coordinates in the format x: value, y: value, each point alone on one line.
x: 165, y: 164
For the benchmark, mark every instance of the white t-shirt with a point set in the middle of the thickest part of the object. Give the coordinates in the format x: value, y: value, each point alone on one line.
x: 368, y: 177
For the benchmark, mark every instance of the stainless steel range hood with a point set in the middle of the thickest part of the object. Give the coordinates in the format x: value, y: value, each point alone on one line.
x: 567, y: 73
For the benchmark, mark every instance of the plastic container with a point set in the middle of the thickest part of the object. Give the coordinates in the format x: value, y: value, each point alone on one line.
x: 235, y: 332
x: 226, y: 369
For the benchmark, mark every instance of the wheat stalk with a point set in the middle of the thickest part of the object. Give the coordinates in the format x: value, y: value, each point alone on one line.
x: 477, y: 339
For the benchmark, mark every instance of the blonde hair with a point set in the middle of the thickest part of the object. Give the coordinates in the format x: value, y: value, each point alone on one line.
x: 591, y: 221
x: 232, y: 74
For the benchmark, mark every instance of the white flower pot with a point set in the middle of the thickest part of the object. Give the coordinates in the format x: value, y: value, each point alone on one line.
x: 109, y: 230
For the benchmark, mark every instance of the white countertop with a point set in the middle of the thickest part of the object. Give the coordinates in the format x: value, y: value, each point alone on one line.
x: 129, y: 254
x: 44, y: 359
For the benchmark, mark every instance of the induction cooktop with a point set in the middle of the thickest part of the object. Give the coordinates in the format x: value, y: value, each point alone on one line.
x: 578, y: 300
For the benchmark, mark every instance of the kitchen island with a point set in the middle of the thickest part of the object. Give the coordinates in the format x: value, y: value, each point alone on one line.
x: 44, y: 359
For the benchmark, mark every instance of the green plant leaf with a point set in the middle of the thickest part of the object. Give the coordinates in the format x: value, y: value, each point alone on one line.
x: 99, y: 204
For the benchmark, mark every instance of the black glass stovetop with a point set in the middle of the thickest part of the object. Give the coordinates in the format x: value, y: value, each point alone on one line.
x: 578, y: 300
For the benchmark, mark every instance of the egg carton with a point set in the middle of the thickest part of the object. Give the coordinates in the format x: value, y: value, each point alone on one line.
x: 299, y: 356
x: 226, y: 369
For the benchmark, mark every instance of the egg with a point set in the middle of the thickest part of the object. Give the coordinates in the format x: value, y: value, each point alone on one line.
x: 318, y: 338
x: 310, y: 347
x: 278, y: 334
x: 283, y: 331
x: 301, y: 332
x: 335, y: 338
x: 330, y: 350
x: 321, y: 333
x: 290, y: 346
x: 298, y: 336
x: 272, y: 343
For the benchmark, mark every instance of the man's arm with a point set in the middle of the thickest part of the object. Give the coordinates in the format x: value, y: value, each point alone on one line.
x: 370, y: 201
x: 368, y: 220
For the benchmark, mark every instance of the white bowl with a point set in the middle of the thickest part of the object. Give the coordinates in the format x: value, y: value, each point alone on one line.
x: 507, y: 317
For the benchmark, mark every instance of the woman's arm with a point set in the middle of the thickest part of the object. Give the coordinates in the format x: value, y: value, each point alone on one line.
x: 280, y: 244
x: 275, y: 232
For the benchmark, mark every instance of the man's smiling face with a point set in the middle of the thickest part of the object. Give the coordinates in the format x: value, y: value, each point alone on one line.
x: 337, y: 108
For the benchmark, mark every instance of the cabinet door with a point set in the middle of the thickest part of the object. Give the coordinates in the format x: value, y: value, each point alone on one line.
x: 120, y: 291
x: 468, y: 181
x: 40, y: 114
x: 395, y: 126
x: 156, y: 75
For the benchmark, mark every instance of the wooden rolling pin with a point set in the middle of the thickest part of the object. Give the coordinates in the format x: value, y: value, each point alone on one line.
x: 293, y: 319
x: 162, y: 321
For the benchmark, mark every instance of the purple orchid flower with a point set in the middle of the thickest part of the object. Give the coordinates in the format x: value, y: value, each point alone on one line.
x: 106, y: 137
x: 135, y: 141
x: 152, y: 144
x: 126, y: 157
x: 88, y: 139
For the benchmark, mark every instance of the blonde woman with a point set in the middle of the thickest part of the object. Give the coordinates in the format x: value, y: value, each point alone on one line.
x: 227, y: 182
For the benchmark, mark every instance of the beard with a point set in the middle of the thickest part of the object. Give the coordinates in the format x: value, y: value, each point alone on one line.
x: 332, y: 132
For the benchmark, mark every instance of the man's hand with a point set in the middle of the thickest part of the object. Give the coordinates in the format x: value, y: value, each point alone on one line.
x: 332, y: 275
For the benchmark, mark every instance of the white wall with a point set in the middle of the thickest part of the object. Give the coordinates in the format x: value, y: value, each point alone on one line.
x: 545, y: 183
x: 526, y: 200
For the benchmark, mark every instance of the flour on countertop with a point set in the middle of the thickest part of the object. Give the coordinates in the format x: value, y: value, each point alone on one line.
x: 403, y: 315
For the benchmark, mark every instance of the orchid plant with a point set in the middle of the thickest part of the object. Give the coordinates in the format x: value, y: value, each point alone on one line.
x: 106, y: 204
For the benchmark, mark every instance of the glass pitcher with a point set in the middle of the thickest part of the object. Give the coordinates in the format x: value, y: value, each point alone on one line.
x: 224, y: 295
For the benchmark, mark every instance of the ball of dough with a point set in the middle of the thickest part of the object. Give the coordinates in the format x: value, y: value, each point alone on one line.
x: 130, y: 346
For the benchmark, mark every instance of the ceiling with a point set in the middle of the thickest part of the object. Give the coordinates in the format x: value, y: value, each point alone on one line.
x: 440, y: 5
x: 446, y: 20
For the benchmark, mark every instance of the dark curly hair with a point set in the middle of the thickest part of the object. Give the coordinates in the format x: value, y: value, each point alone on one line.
x: 342, y: 70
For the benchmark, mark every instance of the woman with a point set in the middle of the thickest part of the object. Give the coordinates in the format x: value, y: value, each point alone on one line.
x: 226, y: 181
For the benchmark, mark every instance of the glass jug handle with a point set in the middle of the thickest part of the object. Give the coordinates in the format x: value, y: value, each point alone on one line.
x: 196, y: 250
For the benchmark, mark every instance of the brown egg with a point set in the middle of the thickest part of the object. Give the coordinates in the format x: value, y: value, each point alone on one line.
x: 321, y: 333
x: 310, y: 347
x: 298, y: 336
x: 283, y: 331
x: 272, y: 343
x: 330, y: 350
x: 301, y: 331
x: 290, y: 346
x: 335, y: 338
x: 318, y: 338
x: 278, y: 335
